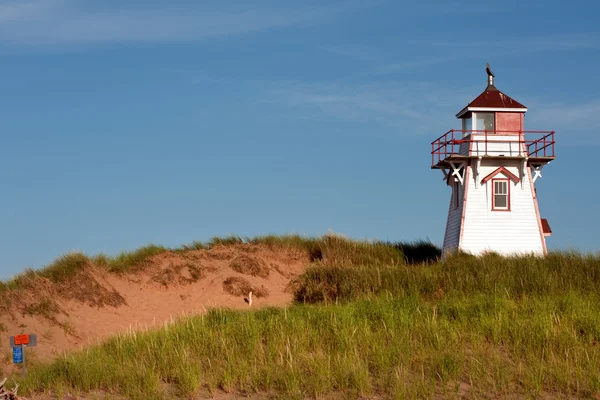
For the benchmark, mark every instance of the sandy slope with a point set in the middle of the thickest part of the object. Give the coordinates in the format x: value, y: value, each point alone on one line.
x: 98, y: 304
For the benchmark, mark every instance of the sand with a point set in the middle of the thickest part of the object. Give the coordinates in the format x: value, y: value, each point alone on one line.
x: 99, y: 304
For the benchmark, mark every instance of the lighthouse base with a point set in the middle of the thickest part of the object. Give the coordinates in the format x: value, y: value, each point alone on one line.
x: 494, y: 209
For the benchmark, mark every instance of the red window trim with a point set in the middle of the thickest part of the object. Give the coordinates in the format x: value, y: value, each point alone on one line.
x: 507, y: 194
x: 501, y: 170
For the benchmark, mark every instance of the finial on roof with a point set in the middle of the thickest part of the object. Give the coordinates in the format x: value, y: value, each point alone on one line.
x: 490, y: 74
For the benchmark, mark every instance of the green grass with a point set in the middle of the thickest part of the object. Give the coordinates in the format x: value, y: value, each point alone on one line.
x: 131, y: 261
x: 337, y: 250
x: 62, y: 272
x: 398, y: 347
x: 419, y: 251
x: 195, y: 245
x: 464, y: 275
x: 65, y: 267
x: 225, y: 241
x: 369, y: 318
x: 328, y: 249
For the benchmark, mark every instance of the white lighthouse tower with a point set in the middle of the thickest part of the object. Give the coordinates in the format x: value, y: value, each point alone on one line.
x: 491, y: 165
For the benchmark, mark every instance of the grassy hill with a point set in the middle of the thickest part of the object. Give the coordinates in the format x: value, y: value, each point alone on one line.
x: 367, y: 319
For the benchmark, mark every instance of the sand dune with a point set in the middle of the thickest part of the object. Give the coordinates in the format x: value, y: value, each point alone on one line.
x: 97, y: 304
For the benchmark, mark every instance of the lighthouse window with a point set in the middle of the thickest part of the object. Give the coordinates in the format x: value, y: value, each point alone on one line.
x: 484, y: 121
x: 500, y: 196
x: 467, y: 126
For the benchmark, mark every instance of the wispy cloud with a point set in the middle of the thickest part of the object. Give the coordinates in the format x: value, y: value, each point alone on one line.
x: 360, y: 52
x: 409, y: 108
x: 67, y: 22
x: 574, y: 121
x: 10, y: 12
x: 557, y: 41
x: 414, y: 63
x: 464, y: 8
x: 421, y: 108
x: 482, y: 50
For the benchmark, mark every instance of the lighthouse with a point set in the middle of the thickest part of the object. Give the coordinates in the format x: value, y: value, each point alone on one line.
x: 491, y: 166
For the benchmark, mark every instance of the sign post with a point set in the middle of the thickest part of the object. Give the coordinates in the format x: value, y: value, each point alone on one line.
x: 18, y: 344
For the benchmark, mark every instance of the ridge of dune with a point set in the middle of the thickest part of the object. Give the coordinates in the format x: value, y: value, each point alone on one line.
x: 96, y: 304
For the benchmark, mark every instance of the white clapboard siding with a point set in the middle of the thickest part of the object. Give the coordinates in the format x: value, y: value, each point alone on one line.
x: 452, y: 233
x: 506, y: 232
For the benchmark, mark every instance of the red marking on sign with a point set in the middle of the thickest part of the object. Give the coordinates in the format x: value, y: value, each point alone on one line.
x: 21, y: 339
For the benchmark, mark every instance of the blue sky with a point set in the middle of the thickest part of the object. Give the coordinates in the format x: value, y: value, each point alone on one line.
x: 125, y: 123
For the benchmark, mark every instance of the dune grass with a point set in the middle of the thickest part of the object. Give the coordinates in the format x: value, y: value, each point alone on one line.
x: 419, y: 251
x: 134, y: 260
x: 64, y: 267
x: 405, y: 347
x: 369, y: 318
x: 328, y: 249
x: 486, y: 326
x: 68, y: 265
x: 460, y: 274
x: 337, y: 250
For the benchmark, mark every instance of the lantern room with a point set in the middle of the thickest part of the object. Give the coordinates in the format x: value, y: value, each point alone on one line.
x: 492, y: 111
x: 492, y: 126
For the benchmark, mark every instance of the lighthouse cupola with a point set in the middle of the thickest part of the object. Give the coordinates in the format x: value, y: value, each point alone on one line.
x: 492, y: 111
x: 491, y: 165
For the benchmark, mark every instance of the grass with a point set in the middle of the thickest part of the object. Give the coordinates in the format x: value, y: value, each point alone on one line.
x: 370, y: 318
x: 250, y: 266
x: 465, y: 275
x: 195, y: 245
x: 397, y: 347
x: 237, y: 286
x: 333, y: 249
x: 65, y: 267
x: 133, y: 260
x: 328, y: 249
x: 44, y: 307
x: 419, y: 251
x: 225, y: 241
x: 67, y: 270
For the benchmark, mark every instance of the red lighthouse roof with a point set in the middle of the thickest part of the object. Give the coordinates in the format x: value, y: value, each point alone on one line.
x: 493, y: 99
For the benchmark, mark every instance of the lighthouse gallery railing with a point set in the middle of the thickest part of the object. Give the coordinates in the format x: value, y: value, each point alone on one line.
x: 452, y: 142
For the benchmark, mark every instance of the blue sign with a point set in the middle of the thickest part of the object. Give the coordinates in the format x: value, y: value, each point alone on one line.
x: 17, y: 355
